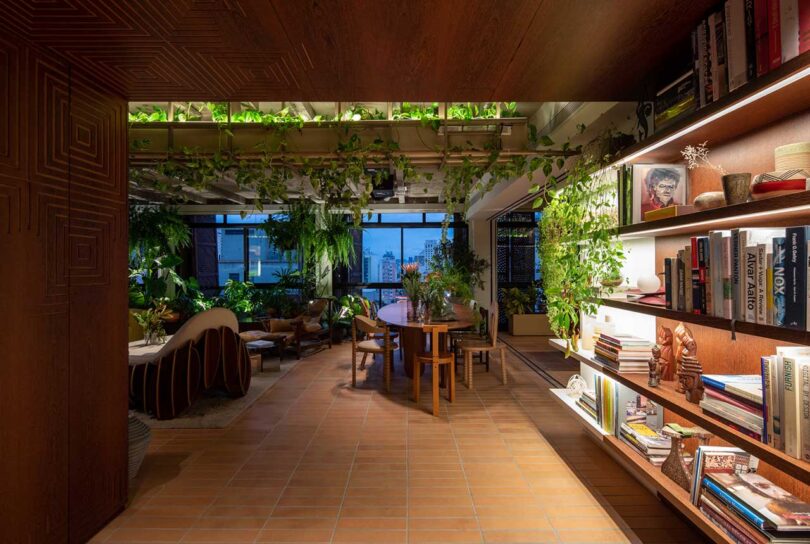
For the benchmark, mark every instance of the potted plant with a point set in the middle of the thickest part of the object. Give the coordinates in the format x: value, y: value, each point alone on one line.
x: 239, y: 297
x: 520, y: 307
x: 412, y: 285
x: 151, y: 321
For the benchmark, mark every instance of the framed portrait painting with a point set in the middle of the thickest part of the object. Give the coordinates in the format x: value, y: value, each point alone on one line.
x: 657, y: 186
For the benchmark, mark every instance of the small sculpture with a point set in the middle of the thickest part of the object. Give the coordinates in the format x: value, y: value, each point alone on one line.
x: 655, y: 367
x: 689, y: 379
x: 684, y: 346
x: 674, y: 466
x: 667, y: 357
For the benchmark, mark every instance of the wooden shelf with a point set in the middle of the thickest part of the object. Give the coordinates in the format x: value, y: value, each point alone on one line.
x: 644, y: 470
x: 777, y: 211
x: 561, y: 396
x: 666, y: 396
x: 725, y: 119
x: 765, y: 331
x: 668, y: 489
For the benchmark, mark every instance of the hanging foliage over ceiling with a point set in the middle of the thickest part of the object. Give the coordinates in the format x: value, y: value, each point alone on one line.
x: 344, y: 178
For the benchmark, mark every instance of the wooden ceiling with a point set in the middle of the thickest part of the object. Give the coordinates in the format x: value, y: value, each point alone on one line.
x: 533, y: 50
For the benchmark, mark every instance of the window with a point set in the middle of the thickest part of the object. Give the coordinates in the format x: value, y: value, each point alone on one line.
x: 381, y: 257
x: 400, y: 217
x: 230, y: 247
x: 265, y: 262
x: 230, y: 254
x: 383, y: 246
x: 419, y: 245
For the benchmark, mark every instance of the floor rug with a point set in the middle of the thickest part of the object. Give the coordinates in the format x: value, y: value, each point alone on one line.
x: 214, y: 410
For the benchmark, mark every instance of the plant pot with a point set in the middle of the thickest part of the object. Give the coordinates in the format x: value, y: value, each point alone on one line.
x: 529, y: 325
x: 737, y: 188
x: 611, y: 282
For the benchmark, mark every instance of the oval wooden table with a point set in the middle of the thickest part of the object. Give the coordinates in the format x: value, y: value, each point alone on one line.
x: 412, y: 338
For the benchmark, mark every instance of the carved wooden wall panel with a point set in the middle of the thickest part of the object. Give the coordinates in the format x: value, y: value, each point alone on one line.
x: 362, y: 49
x: 97, y: 257
x: 63, y: 286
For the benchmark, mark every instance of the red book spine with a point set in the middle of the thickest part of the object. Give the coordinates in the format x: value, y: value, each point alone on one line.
x: 804, y: 27
x: 774, y: 35
x: 761, y: 35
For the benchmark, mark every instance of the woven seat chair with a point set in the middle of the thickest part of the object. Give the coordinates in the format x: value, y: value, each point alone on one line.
x: 373, y: 344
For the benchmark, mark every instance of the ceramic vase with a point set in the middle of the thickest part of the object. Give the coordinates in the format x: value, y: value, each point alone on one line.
x: 737, y: 188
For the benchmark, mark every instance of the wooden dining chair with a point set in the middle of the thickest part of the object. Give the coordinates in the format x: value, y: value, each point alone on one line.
x: 469, y: 347
x: 436, y: 357
x: 378, y: 341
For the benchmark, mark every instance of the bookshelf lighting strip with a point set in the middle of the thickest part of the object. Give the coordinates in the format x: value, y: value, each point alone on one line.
x: 695, y: 226
x: 793, y: 78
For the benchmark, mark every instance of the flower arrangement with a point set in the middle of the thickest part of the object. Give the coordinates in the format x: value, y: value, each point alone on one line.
x: 697, y: 156
x: 412, y: 285
x: 152, y: 322
x: 436, y: 292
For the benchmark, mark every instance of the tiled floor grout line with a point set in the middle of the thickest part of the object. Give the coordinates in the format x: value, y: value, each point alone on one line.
x: 303, y: 451
x: 520, y: 468
x: 463, y: 469
x: 351, y: 468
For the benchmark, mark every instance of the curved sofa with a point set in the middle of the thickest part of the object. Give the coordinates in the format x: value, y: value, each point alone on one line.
x: 205, y: 353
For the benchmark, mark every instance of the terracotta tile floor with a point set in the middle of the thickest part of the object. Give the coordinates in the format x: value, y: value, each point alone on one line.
x: 314, y: 460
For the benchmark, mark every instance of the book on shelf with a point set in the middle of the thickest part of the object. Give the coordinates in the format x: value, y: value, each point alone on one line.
x: 646, y: 441
x: 760, y: 502
x: 724, y: 517
x: 741, y: 417
x: 669, y: 211
x: 789, y: 28
x: 779, y: 281
x: 786, y: 400
x: 745, y: 386
x: 719, y: 459
x: 758, y: 275
x: 761, y: 36
x: 774, y: 35
x: 739, y: 15
x: 796, y: 239
x: 717, y: 48
x: 672, y: 102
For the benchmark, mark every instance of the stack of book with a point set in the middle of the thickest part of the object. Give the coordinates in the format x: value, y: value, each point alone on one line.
x: 646, y: 441
x: 786, y: 398
x: 587, y: 401
x: 737, y: 401
x: 738, y: 41
x: 623, y: 352
x: 758, y: 275
x: 752, y: 509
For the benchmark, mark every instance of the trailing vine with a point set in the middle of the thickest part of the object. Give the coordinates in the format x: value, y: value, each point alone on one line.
x: 578, y: 245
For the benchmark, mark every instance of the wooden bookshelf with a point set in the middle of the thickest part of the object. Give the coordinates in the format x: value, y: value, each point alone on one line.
x: 674, y: 494
x: 731, y: 116
x: 755, y: 329
x: 666, y: 396
x: 562, y: 398
x: 646, y: 471
x: 777, y: 211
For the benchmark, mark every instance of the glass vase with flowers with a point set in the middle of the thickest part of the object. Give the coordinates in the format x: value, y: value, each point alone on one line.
x: 412, y: 285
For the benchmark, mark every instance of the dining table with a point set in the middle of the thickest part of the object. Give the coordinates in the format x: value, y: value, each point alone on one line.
x: 411, y: 333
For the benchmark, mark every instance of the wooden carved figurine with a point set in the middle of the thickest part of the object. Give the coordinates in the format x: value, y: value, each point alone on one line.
x: 689, y: 379
x: 684, y: 346
x: 666, y: 369
x: 655, y: 367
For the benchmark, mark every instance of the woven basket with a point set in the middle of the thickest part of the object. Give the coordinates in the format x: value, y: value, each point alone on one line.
x: 139, y: 437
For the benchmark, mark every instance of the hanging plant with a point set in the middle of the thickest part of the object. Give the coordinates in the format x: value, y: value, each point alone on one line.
x: 579, y: 247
